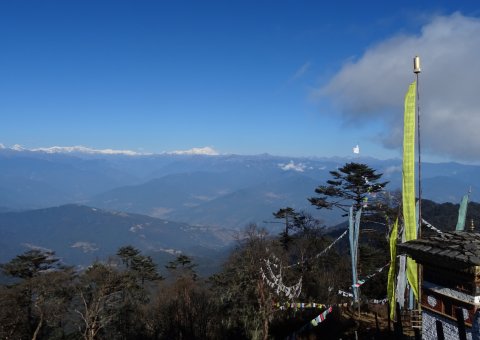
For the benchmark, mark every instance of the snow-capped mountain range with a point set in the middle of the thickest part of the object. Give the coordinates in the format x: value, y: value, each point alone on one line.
x: 208, y: 151
x: 197, y: 186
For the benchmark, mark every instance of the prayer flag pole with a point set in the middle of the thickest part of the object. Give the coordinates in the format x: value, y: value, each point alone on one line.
x: 417, y: 70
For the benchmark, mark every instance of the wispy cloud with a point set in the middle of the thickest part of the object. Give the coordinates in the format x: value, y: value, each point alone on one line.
x: 373, y: 87
x: 302, y: 70
x: 86, y: 247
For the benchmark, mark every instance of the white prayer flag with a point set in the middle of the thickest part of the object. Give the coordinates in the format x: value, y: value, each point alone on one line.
x: 356, y: 149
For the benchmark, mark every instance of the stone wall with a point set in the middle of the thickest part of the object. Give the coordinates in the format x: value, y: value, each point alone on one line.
x: 450, y: 330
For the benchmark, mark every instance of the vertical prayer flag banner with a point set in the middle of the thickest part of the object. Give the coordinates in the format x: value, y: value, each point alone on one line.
x: 462, y: 214
x: 391, y: 271
x: 354, y: 228
x: 351, y: 234
x: 408, y: 181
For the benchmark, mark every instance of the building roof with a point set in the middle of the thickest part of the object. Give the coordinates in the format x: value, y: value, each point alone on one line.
x: 457, y: 248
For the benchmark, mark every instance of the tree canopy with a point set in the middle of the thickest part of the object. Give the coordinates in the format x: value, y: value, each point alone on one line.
x: 354, y: 183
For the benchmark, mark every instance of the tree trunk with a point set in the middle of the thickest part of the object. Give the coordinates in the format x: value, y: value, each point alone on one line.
x: 39, y: 326
x: 264, y: 308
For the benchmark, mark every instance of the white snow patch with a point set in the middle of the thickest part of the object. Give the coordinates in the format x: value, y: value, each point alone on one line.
x: 160, y: 212
x: 18, y: 147
x: 87, y: 150
x: 207, y: 150
x: 136, y: 228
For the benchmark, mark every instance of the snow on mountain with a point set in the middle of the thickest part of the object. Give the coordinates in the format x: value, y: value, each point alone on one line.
x: 18, y: 147
x: 208, y: 151
x: 84, y: 149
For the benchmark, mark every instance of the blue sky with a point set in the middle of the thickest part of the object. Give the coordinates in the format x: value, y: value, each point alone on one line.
x: 297, y: 78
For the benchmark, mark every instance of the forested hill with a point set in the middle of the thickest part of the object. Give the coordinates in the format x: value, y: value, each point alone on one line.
x: 444, y: 216
x: 81, y: 234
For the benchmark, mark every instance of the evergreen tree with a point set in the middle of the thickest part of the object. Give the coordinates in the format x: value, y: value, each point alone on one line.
x: 292, y: 219
x: 140, y: 266
x: 31, y: 264
x: 42, y: 291
x: 354, y: 183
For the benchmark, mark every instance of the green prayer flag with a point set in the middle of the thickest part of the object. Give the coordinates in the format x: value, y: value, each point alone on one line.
x: 408, y: 181
x: 391, y: 270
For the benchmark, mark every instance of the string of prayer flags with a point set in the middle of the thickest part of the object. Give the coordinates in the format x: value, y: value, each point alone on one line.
x: 358, y: 284
x: 362, y: 282
x: 323, y: 252
x: 275, y: 281
x: 320, y: 318
x: 300, y: 305
x: 378, y: 302
x: 373, y: 301
x: 376, y: 272
x: 313, y: 323
x: 331, y: 245
x: 344, y: 293
x: 431, y: 226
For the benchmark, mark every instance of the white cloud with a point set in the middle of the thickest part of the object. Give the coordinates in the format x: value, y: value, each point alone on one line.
x: 86, y: 247
x: 300, y: 167
x: 274, y: 196
x: 373, y: 87
x: 392, y: 170
x: 197, y: 151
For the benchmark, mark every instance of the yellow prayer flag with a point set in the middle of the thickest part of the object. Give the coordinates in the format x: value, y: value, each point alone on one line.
x: 408, y: 181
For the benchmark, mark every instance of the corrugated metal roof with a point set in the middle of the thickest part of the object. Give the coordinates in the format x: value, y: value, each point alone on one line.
x: 457, y: 246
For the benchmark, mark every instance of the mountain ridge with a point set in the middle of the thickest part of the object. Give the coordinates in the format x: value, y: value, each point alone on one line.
x: 80, y: 234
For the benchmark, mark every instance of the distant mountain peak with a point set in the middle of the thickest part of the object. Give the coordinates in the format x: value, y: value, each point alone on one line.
x: 84, y: 149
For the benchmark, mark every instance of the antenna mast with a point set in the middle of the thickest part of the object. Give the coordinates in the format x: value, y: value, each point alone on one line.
x: 417, y: 70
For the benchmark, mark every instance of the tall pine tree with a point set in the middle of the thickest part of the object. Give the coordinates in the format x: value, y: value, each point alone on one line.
x: 354, y: 183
